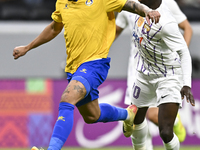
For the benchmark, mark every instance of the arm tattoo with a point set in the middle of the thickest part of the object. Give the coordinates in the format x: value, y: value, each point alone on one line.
x: 134, y: 7
x: 131, y: 4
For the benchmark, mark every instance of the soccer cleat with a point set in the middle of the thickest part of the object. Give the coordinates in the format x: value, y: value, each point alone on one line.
x: 179, y: 129
x: 128, y: 124
x: 35, y: 148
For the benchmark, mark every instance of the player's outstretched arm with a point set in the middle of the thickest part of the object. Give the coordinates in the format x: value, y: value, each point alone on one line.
x: 187, y: 29
x: 142, y: 10
x: 50, y: 32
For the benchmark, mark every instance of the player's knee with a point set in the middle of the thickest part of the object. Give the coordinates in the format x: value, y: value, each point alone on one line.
x: 65, y: 97
x: 73, y: 95
x: 68, y: 98
x: 90, y: 119
x: 166, y: 135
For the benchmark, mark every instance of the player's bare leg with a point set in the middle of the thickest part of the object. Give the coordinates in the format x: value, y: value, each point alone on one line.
x: 166, y: 117
x: 90, y: 111
x: 152, y: 115
x: 74, y: 92
x: 179, y: 129
x: 94, y: 112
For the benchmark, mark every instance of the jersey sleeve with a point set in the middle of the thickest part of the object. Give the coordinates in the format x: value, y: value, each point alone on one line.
x: 175, y: 41
x: 175, y: 10
x: 56, y: 16
x: 186, y: 66
x: 172, y: 37
x: 121, y: 20
x: 114, y: 5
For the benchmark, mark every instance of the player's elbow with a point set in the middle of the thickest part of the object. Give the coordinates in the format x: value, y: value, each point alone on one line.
x: 189, y: 28
x: 56, y: 27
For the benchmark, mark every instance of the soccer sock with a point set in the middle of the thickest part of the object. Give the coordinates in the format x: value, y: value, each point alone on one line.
x: 111, y: 113
x: 174, y: 144
x: 62, y: 127
x: 138, y: 136
x: 149, y: 144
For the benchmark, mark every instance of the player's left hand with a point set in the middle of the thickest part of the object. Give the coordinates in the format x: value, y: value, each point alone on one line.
x: 152, y: 15
x: 186, y: 91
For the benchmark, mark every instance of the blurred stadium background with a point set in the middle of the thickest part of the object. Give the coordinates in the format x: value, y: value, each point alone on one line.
x: 30, y: 88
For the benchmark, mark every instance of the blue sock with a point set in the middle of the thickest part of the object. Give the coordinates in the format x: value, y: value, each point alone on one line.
x: 62, y: 127
x: 111, y: 113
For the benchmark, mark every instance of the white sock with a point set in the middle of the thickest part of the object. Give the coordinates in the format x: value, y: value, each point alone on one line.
x: 138, y: 136
x: 174, y: 144
x: 149, y: 145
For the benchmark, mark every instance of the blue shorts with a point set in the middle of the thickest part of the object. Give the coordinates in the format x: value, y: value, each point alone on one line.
x: 91, y: 74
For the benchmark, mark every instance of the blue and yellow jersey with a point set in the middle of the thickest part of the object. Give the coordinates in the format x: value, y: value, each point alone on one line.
x: 89, y: 28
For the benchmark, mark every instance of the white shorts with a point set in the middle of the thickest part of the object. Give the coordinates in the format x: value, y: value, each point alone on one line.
x: 150, y: 91
x: 132, y: 64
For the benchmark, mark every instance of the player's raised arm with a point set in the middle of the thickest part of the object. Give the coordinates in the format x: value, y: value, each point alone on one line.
x: 50, y: 32
x: 142, y: 10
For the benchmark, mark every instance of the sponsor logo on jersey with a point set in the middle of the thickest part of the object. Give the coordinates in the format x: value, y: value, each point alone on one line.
x: 66, y: 6
x: 140, y: 22
x: 89, y: 2
x: 83, y: 70
x: 146, y: 26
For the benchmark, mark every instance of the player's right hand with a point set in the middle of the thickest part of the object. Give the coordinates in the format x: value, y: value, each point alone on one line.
x: 152, y: 15
x: 19, y: 51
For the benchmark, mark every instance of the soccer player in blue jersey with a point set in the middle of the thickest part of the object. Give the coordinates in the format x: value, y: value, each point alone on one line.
x: 89, y: 30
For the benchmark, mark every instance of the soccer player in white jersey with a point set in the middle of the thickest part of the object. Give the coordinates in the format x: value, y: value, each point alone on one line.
x: 163, y: 70
x: 126, y: 19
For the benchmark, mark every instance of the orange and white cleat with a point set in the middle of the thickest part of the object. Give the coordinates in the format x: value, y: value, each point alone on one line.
x: 128, y: 124
x: 35, y: 148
